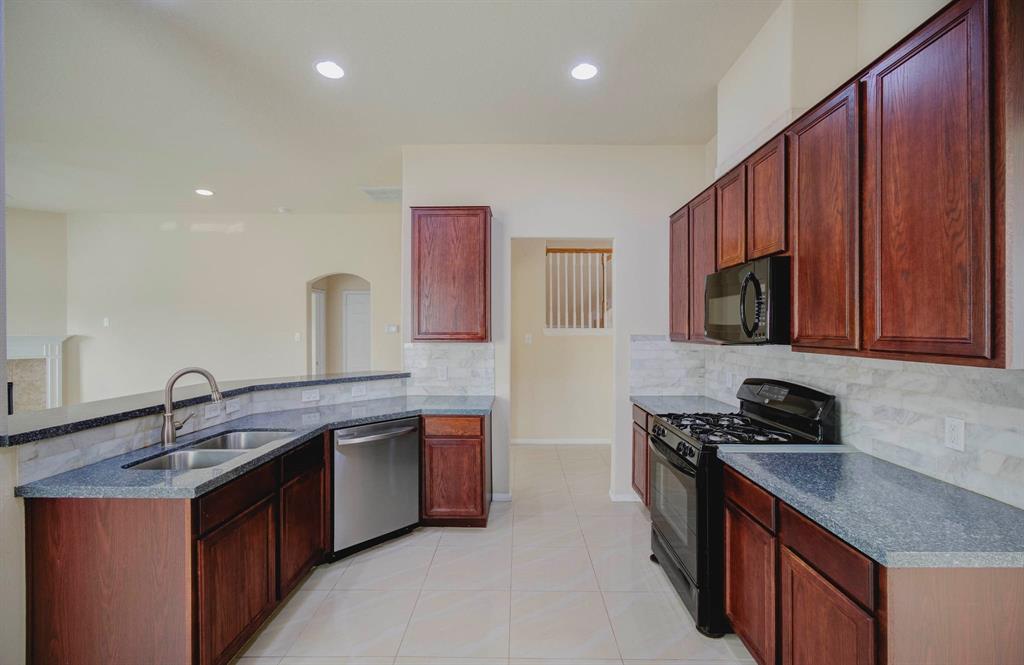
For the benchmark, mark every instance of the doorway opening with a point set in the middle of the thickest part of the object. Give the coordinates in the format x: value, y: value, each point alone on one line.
x: 340, y: 326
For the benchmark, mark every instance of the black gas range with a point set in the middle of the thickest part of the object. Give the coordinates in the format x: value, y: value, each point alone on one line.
x: 687, y: 497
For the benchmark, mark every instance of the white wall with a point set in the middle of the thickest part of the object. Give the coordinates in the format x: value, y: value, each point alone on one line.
x: 882, y: 23
x: 37, y: 275
x: 562, y: 389
x: 620, y: 192
x: 225, y: 292
x: 334, y: 288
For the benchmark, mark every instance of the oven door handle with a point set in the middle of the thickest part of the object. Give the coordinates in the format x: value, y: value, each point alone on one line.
x: 670, y: 457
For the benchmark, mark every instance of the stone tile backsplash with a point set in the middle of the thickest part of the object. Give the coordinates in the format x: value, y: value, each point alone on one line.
x: 450, y: 368
x: 891, y: 409
x: 658, y: 366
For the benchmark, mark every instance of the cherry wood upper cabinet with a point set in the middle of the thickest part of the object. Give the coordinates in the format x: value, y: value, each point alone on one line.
x: 679, y: 275
x: 766, y: 200
x: 927, y: 221
x: 731, y: 208
x: 750, y: 583
x: 451, y: 274
x: 823, y: 212
x: 818, y: 623
x: 702, y: 256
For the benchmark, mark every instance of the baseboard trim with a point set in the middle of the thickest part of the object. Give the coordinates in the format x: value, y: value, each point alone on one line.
x: 629, y: 497
x: 501, y: 497
x: 562, y: 442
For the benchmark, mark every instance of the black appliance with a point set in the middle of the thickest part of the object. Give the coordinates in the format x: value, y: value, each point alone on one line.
x: 687, y: 496
x: 749, y: 303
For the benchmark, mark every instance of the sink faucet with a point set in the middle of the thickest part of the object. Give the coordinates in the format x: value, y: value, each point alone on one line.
x: 171, y: 427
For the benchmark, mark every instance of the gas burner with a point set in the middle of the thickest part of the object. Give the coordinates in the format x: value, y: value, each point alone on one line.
x: 715, y: 428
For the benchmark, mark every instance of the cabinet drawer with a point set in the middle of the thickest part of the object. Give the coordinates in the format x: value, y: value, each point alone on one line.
x: 640, y: 417
x: 845, y: 567
x: 759, y: 504
x: 303, y: 459
x: 225, y: 502
x: 452, y: 426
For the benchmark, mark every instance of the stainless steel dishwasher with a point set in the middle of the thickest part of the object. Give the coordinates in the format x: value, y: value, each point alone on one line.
x: 376, y: 482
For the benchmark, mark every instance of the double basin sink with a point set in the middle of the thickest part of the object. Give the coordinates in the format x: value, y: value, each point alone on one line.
x: 211, y: 452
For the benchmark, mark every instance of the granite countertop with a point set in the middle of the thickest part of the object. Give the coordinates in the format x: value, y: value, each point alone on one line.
x: 898, y: 517
x: 108, y: 479
x: 48, y: 423
x: 681, y: 404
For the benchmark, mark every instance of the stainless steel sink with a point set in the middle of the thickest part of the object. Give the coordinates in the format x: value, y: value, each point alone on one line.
x: 241, y: 440
x: 183, y: 460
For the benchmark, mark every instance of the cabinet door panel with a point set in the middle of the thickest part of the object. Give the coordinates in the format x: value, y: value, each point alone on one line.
x: 702, y: 257
x: 819, y: 624
x: 927, y: 223
x: 731, y: 208
x: 236, y: 577
x: 750, y: 583
x: 640, y: 471
x: 766, y: 200
x: 302, y: 526
x: 453, y: 477
x: 823, y: 209
x: 679, y: 275
x: 451, y: 273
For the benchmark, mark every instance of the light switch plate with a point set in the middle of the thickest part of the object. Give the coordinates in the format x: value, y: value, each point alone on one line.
x: 528, y: 339
x: 358, y: 390
x: 232, y: 405
x: 211, y: 410
x: 391, y: 328
x: 311, y: 395
x: 955, y: 434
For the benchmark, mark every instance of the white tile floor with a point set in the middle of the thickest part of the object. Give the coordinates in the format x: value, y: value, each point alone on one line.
x: 560, y: 575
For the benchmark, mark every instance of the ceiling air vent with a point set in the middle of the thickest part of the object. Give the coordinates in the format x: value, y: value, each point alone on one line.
x: 384, y: 194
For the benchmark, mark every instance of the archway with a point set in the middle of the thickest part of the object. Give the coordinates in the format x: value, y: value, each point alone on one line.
x: 339, y: 327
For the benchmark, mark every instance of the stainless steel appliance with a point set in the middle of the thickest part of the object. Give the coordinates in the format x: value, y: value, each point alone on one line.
x: 749, y: 303
x: 687, y: 497
x: 376, y: 483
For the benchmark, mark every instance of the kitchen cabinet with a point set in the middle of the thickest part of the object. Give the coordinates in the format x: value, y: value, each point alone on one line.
x: 193, y: 585
x: 641, y: 476
x: 731, y: 217
x: 818, y: 622
x: 236, y: 576
x: 451, y: 274
x: 679, y: 275
x: 456, y: 483
x: 823, y: 212
x: 702, y: 256
x: 928, y: 228
x: 766, y: 200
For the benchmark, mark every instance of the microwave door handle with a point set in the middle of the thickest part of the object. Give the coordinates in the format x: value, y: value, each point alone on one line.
x: 749, y: 330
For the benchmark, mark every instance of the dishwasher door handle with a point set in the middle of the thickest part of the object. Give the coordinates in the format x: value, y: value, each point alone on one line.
x: 380, y: 436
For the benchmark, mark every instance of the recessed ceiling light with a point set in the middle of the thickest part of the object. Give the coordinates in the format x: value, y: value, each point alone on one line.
x: 204, y: 192
x: 584, y: 71
x: 330, y: 69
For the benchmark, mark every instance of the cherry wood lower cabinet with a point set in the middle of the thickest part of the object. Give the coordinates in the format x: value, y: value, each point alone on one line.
x: 798, y: 595
x: 641, y: 470
x: 173, y: 581
x: 456, y: 474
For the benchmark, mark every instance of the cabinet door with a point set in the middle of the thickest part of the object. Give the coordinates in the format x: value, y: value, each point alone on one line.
x: 823, y: 209
x: 679, y: 275
x: 702, y: 256
x: 731, y: 205
x: 453, y: 472
x: 451, y: 249
x: 236, y: 580
x: 302, y: 526
x: 819, y: 624
x: 640, y: 471
x: 750, y: 583
x: 766, y: 200
x: 927, y: 222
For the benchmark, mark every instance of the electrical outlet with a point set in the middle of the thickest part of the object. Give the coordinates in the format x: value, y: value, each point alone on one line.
x: 358, y: 411
x: 955, y: 434
x: 528, y: 339
x: 232, y: 405
x: 212, y: 410
x: 311, y: 395
x: 358, y: 390
x: 442, y: 372
x: 311, y: 418
x: 391, y: 329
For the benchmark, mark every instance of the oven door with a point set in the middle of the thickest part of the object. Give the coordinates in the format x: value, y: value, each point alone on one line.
x: 674, y: 504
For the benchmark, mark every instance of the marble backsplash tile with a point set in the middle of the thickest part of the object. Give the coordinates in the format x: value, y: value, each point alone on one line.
x: 658, y: 366
x: 450, y: 368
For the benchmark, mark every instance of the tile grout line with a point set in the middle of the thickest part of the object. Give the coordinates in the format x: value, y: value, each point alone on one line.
x: 419, y: 594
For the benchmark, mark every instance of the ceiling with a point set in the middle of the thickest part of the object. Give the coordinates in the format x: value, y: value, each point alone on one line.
x: 130, y: 106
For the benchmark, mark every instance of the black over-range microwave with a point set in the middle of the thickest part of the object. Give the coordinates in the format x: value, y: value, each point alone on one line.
x: 749, y: 303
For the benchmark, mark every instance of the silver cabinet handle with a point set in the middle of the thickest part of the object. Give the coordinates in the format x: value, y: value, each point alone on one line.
x: 339, y: 441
